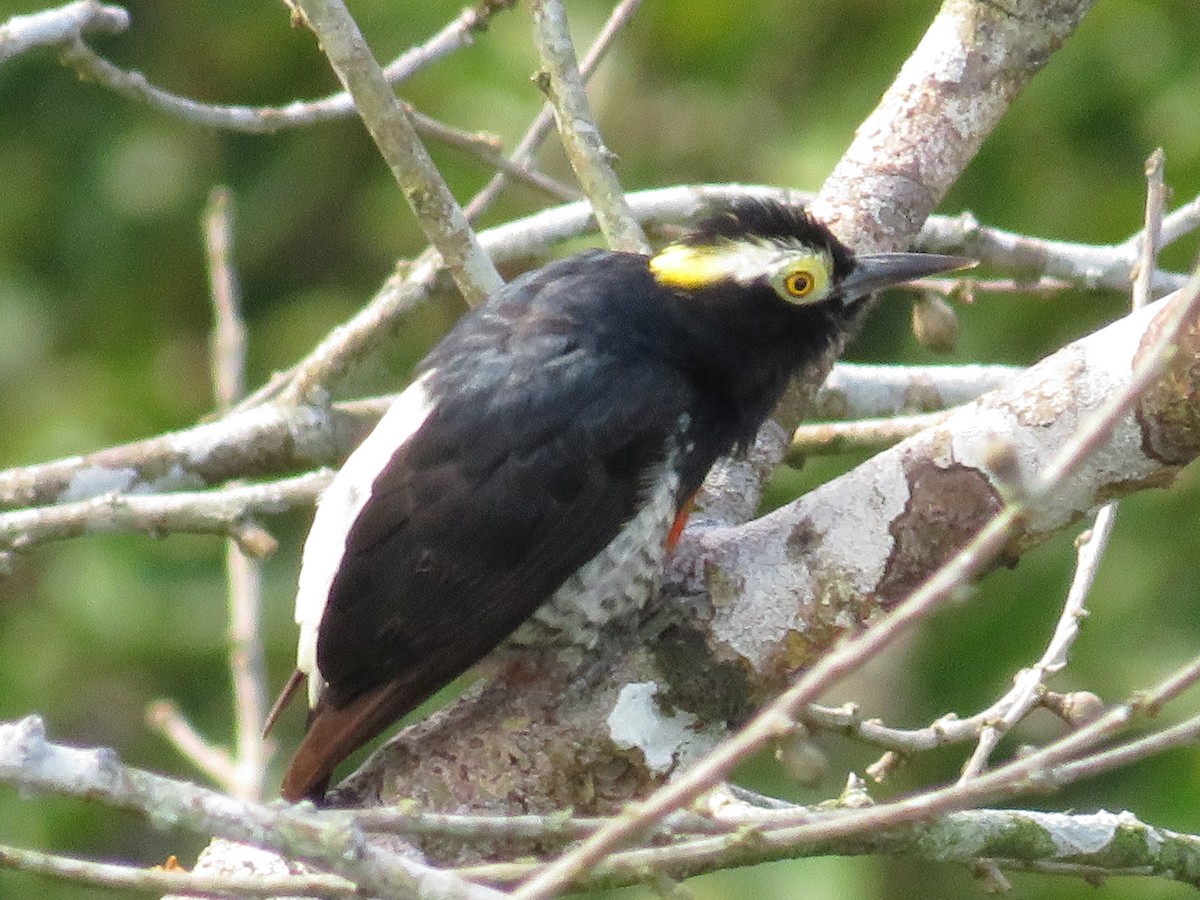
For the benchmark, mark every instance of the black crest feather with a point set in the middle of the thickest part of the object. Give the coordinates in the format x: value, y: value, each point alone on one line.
x: 769, y: 220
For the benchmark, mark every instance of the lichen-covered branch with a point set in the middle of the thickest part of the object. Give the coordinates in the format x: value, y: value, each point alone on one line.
x: 949, y: 95
x: 31, y: 763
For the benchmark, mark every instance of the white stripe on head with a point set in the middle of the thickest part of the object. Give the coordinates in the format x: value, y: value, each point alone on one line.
x: 337, y: 510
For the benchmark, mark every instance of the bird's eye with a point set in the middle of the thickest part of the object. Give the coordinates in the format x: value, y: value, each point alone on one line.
x: 799, y: 283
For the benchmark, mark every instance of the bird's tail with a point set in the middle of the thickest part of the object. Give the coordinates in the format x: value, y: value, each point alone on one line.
x: 333, y: 734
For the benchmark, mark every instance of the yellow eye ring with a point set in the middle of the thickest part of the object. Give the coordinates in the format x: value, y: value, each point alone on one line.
x: 799, y: 283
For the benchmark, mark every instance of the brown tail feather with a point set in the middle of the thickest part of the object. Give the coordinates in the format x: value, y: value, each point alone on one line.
x: 333, y: 734
x: 285, y: 697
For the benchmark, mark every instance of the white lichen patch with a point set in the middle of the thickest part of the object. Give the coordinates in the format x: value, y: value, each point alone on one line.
x: 1079, y: 834
x: 177, y: 478
x: 665, y: 740
x: 92, y: 481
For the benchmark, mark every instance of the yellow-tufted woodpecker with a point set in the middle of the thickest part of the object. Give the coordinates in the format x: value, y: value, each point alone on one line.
x: 531, y: 481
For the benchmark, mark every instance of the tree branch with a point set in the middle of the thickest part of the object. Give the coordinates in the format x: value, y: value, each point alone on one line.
x: 544, y: 122
x: 590, y: 159
x: 56, y: 27
x: 440, y: 216
x: 30, y: 763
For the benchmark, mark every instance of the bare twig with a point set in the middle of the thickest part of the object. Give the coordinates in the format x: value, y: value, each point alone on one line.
x: 56, y: 27
x: 544, y: 122
x: 440, y: 216
x: 1151, y: 238
x: 215, y: 762
x: 592, y: 161
x: 246, y: 664
x: 857, y: 391
x: 1091, y: 546
x: 260, y: 119
x: 224, y: 511
x: 247, y: 669
x: 1084, y: 265
x: 228, y: 350
x: 267, y: 119
x: 863, y: 434
x: 488, y: 151
x: 1029, y: 682
x: 1178, y: 735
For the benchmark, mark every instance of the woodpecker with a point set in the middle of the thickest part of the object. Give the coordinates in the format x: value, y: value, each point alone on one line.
x: 533, y: 477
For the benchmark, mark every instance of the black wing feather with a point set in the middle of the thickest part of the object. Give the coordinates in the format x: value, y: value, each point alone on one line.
x: 533, y: 458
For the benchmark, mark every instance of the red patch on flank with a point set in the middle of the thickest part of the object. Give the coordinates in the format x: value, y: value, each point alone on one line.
x: 680, y: 522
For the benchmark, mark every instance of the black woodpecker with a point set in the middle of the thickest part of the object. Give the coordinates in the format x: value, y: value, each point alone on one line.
x: 536, y: 473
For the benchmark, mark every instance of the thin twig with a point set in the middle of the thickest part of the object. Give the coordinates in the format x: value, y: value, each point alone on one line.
x: 440, y: 216
x: 90, y: 65
x: 1091, y: 546
x: 859, y: 435
x: 1089, y: 266
x: 165, y: 717
x: 226, y: 511
x: 487, y: 151
x: 1023, y: 697
x: 266, y: 119
x: 542, y: 125
x: 590, y: 159
x: 1178, y: 735
x: 244, y: 576
x: 56, y: 27
x: 1151, y: 241
x: 228, y: 350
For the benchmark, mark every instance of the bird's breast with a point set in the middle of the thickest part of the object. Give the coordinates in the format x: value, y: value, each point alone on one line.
x: 618, y: 580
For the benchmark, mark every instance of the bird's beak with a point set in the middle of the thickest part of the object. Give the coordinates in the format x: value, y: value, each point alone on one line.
x: 877, y: 271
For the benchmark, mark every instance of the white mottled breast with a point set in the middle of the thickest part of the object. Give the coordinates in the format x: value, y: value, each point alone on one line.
x: 619, y: 579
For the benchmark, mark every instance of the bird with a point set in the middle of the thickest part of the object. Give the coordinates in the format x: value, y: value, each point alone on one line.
x: 527, y: 486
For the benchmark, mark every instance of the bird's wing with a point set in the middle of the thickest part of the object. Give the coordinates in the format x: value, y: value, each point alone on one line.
x: 470, y: 527
x: 514, y: 478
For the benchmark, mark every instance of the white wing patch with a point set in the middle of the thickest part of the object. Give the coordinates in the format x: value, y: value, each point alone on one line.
x: 337, y: 510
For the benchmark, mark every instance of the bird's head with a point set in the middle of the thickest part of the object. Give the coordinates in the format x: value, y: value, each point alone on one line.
x: 757, y: 243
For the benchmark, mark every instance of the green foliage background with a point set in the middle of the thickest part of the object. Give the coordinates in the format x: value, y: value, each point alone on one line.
x: 104, y: 322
